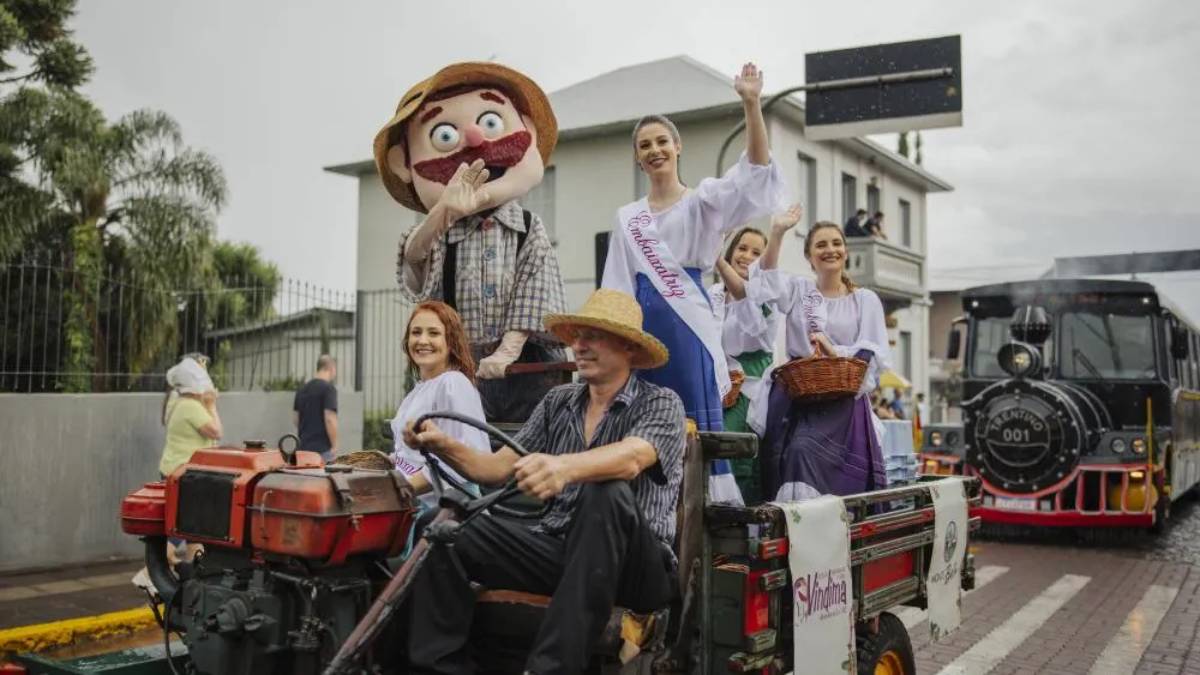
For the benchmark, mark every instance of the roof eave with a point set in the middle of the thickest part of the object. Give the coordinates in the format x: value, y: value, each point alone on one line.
x: 353, y: 169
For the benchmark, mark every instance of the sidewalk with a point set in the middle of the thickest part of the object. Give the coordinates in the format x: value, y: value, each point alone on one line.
x: 56, y: 607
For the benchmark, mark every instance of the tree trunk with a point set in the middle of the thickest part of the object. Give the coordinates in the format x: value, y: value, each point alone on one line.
x: 81, y: 298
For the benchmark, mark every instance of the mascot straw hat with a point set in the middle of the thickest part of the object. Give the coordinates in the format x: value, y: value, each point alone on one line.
x: 528, y: 98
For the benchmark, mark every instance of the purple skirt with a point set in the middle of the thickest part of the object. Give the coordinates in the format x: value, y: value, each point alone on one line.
x: 828, y: 445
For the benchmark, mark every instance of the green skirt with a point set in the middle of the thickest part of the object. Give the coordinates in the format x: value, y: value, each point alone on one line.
x: 745, y: 471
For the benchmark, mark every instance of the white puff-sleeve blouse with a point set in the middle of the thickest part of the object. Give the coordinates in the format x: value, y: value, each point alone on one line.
x: 449, y: 391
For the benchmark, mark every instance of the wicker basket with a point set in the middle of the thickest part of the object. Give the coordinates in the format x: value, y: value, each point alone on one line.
x: 819, y: 377
x: 736, y: 378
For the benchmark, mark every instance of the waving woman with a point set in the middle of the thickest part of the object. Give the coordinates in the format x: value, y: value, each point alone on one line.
x: 662, y: 244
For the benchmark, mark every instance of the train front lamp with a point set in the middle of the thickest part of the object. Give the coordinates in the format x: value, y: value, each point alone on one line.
x: 1019, y: 359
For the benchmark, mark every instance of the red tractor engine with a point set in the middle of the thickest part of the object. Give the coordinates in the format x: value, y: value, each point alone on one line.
x: 292, y: 553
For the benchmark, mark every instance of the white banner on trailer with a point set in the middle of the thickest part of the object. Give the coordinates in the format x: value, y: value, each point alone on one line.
x: 822, y: 587
x: 944, y: 585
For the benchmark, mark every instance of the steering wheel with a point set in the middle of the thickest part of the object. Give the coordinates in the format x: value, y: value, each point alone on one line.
x: 492, y: 500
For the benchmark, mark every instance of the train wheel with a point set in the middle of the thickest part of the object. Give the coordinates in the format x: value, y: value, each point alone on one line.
x: 887, y: 652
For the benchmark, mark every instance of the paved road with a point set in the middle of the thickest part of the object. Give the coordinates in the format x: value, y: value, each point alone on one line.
x: 1066, y: 603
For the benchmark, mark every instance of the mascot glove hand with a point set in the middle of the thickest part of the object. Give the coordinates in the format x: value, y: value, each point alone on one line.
x: 493, y: 367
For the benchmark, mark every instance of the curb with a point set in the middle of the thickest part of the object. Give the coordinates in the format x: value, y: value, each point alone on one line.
x: 42, y: 636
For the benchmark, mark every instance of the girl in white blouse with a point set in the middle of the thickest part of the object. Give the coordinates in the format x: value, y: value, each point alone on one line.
x: 831, y: 446
x: 437, y: 349
x: 748, y: 334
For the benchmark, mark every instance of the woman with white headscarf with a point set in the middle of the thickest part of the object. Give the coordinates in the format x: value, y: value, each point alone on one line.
x: 191, y: 417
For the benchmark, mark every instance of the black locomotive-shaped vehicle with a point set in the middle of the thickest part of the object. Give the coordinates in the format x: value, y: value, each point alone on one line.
x: 1079, y: 403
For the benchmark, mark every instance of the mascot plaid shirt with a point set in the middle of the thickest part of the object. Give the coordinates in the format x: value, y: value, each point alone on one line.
x: 498, y: 288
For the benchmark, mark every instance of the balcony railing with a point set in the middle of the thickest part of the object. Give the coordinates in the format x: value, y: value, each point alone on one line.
x: 895, y: 272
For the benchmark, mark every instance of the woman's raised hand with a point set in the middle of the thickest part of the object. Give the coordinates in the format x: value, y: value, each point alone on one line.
x: 782, y: 222
x: 749, y: 83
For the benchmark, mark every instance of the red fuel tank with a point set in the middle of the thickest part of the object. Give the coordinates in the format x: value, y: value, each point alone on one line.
x: 329, y: 514
x: 144, y: 511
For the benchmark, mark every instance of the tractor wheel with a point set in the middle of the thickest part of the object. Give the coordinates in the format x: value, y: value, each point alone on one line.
x: 888, y: 652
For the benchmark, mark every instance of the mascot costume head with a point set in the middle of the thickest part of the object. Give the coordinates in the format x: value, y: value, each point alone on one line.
x: 465, y: 112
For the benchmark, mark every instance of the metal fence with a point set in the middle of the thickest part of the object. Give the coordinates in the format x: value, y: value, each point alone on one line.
x: 127, y: 331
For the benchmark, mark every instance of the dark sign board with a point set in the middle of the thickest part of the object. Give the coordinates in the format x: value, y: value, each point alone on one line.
x: 601, y: 254
x: 874, y: 108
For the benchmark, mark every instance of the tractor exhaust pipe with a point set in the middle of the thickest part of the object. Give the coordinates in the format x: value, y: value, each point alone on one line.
x: 160, y: 570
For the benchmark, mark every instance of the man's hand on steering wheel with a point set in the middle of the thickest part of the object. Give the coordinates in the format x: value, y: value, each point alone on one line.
x: 541, y: 476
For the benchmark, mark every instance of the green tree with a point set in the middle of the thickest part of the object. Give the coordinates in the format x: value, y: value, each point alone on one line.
x: 35, y: 50
x: 240, y: 287
x: 125, y: 196
x: 132, y: 198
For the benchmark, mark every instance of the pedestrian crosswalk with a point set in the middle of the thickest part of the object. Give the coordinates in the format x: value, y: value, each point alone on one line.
x: 992, y: 649
x: 1125, y: 650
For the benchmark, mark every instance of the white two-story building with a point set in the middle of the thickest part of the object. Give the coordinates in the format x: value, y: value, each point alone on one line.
x: 593, y: 172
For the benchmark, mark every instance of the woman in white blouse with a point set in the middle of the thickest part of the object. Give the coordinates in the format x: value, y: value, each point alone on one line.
x: 748, y: 334
x: 438, y: 351
x: 826, y: 447
x: 663, y: 243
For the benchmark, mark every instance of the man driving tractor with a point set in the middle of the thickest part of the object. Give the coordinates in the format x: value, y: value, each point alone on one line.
x: 609, y: 452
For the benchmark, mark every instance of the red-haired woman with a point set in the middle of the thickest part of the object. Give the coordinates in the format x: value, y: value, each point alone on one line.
x: 438, y: 351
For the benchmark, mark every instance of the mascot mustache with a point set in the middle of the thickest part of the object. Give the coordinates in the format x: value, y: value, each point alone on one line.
x: 497, y: 156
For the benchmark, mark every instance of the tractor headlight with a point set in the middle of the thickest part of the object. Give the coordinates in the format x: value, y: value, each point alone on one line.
x: 1139, y: 446
x: 1019, y: 359
x: 952, y: 438
x: 1117, y: 445
x: 935, y: 439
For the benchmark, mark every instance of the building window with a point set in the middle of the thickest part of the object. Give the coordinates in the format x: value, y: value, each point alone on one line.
x: 808, y: 189
x: 849, y: 196
x: 904, y: 347
x: 872, y: 200
x: 540, y: 200
x: 905, y: 223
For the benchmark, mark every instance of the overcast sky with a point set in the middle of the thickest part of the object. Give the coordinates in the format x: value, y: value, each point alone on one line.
x: 1080, y: 130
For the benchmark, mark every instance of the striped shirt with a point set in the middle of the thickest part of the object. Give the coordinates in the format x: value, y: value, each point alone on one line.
x: 647, y: 411
x: 497, y: 288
